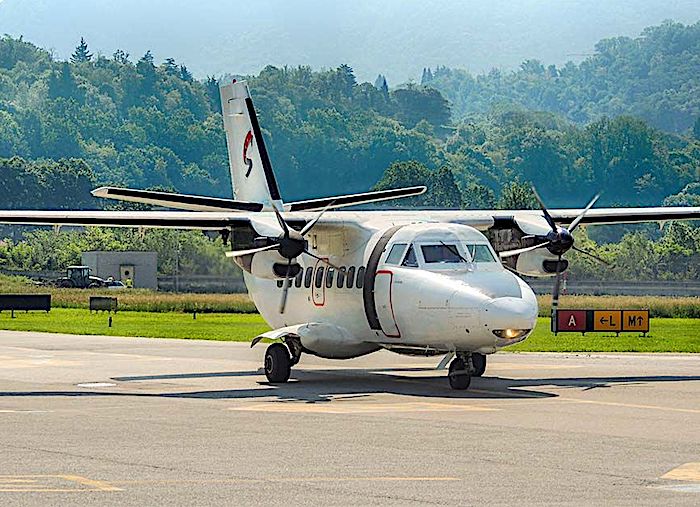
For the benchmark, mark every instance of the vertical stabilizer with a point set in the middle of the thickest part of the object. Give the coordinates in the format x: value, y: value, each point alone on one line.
x: 251, y: 171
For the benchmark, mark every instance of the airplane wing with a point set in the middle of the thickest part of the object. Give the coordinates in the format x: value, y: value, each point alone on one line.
x: 155, y: 219
x: 627, y: 215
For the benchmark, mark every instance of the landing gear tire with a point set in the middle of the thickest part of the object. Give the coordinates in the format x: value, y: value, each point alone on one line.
x: 479, y: 364
x: 278, y: 363
x: 459, y: 375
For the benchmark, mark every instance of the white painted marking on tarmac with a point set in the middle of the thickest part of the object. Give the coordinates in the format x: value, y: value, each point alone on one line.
x: 680, y: 488
x: 52, y: 484
x: 96, y: 384
x: 24, y: 411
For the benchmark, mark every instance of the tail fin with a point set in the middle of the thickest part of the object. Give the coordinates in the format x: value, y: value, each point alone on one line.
x: 251, y: 172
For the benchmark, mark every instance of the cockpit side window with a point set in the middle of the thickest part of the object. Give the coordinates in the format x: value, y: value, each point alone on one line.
x: 409, y: 259
x: 443, y: 254
x: 395, y: 254
x: 480, y: 253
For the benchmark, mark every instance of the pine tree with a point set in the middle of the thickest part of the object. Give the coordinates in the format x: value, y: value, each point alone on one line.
x: 121, y: 56
x: 212, y: 85
x: 81, y: 53
x: 380, y: 84
x: 170, y: 66
x: 185, y: 74
x: 696, y: 128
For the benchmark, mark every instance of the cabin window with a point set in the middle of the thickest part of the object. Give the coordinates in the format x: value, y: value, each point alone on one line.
x: 329, y: 277
x: 410, y: 260
x: 480, y: 253
x: 351, y: 277
x: 395, y: 253
x: 319, y: 277
x: 279, y: 283
x: 299, y: 278
x: 341, y: 277
x: 308, y: 276
x: 441, y: 254
x: 360, y: 277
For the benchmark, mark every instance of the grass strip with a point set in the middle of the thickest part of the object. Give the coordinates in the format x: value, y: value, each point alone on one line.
x: 667, y: 335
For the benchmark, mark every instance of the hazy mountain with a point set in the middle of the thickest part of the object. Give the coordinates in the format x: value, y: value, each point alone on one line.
x: 395, y: 37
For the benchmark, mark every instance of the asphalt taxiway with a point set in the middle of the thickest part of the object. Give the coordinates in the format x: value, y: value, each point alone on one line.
x: 125, y: 421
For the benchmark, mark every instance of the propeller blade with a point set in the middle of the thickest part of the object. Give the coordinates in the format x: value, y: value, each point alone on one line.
x: 321, y: 259
x: 241, y: 253
x: 592, y: 256
x: 311, y: 224
x: 578, y: 219
x: 283, y: 224
x: 285, y: 288
x: 511, y: 253
x: 547, y: 216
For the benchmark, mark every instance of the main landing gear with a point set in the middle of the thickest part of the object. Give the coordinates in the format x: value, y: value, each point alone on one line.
x: 279, y: 359
x: 464, y: 367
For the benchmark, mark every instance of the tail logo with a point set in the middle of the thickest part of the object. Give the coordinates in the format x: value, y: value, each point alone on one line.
x: 248, y: 162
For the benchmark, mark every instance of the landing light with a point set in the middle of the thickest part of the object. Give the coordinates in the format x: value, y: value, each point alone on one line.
x: 510, y: 334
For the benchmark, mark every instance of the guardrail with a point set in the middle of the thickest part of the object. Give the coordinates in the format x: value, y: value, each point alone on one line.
x: 618, y: 288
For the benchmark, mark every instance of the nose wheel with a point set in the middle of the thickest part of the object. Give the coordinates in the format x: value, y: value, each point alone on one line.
x: 459, y: 375
x: 278, y: 363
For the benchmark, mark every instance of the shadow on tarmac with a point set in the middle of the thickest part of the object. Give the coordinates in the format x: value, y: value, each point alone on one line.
x: 328, y: 386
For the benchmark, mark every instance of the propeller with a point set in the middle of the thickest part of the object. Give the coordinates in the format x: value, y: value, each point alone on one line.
x: 290, y: 244
x: 558, y: 241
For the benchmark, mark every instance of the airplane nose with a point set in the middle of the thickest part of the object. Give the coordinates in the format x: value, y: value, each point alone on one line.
x: 510, y: 319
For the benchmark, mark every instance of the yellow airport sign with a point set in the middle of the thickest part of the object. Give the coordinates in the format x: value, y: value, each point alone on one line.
x: 635, y: 320
x: 607, y: 320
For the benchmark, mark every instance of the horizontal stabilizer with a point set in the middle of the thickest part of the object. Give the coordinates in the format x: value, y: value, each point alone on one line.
x: 177, y: 201
x: 342, y: 201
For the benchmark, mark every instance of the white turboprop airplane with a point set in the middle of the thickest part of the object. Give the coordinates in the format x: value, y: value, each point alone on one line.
x: 342, y: 284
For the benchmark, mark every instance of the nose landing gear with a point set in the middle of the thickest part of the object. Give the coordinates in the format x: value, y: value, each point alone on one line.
x: 278, y: 364
x: 464, y: 367
x: 459, y: 373
x: 279, y: 361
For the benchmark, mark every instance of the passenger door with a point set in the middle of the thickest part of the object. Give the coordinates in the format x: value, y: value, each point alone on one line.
x: 383, y: 284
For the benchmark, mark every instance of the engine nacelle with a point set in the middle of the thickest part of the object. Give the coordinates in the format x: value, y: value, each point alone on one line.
x: 539, y: 263
x: 268, y: 265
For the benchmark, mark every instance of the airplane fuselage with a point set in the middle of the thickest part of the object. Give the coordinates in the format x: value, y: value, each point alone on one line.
x: 424, y: 301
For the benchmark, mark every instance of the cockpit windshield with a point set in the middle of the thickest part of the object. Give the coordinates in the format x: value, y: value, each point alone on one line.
x: 442, y: 254
x: 480, y: 253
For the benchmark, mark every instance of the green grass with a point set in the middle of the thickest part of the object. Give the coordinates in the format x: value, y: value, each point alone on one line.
x: 208, y: 326
x: 667, y: 335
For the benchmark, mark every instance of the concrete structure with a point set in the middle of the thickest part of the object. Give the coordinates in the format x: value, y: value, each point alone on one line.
x: 141, y: 267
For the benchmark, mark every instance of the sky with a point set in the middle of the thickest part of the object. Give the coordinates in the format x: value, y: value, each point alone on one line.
x: 394, y: 37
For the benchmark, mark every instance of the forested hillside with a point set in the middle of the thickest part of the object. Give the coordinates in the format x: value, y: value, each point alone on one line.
x: 68, y: 126
x: 655, y: 76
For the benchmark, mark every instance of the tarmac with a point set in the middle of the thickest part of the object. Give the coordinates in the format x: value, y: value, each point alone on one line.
x: 92, y: 420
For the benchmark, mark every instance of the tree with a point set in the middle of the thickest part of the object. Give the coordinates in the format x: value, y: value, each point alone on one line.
x: 81, y: 53
x: 516, y: 195
x: 418, y: 103
x: 62, y: 84
x: 121, y: 57
x: 696, y: 128
x: 477, y: 196
x: 170, y: 67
